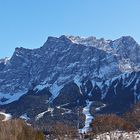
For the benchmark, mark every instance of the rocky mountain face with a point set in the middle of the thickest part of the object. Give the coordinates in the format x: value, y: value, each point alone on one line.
x: 68, y: 71
x: 3, y: 63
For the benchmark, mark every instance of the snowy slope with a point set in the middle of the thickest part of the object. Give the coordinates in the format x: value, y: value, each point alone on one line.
x: 69, y: 71
x: 89, y: 118
x: 64, y: 59
x: 9, y: 98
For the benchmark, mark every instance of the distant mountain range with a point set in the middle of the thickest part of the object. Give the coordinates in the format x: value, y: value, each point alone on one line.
x: 67, y: 73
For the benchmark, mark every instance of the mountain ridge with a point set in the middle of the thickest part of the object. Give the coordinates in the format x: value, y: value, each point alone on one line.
x: 63, y: 46
x: 57, y: 81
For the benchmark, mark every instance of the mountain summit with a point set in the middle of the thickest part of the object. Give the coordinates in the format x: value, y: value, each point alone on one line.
x: 62, y: 59
x: 68, y: 72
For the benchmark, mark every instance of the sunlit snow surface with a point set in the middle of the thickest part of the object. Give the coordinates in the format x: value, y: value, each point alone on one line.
x: 25, y: 117
x: 54, y: 88
x: 118, y: 135
x: 6, y: 116
x: 39, y: 116
x: 89, y: 118
x: 101, y: 107
x: 9, y: 98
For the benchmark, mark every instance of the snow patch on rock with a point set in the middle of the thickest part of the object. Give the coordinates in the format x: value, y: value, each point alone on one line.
x: 9, y: 98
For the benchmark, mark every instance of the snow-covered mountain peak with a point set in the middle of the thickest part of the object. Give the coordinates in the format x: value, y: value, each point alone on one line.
x: 5, y: 60
x: 125, y: 41
x: 89, y: 41
x: 62, y: 58
x: 65, y: 38
x: 65, y: 74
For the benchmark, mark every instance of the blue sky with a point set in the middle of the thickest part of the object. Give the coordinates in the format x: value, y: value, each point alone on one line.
x: 28, y: 23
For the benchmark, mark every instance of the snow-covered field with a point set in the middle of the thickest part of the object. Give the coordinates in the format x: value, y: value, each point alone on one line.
x: 89, y: 118
x: 118, y: 135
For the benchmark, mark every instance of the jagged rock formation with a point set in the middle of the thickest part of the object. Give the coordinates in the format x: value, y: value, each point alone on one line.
x: 60, y: 60
x: 69, y: 71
